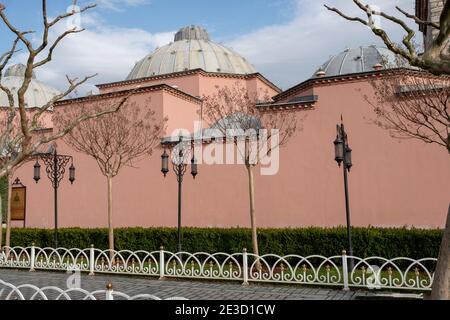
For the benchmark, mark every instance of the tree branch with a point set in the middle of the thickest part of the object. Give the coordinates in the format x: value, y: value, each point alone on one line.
x: 52, y: 48
x: 18, y: 130
x: 433, y: 60
x: 73, y: 84
x: 417, y: 20
x: 83, y: 118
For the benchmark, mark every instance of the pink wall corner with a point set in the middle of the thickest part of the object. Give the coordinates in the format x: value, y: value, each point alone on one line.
x: 209, y: 85
x: 181, y: 113
x: 260, y: 89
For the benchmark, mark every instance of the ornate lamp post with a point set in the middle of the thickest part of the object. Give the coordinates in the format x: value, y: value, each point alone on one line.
x: 343, y: 154
x: 179, y: 167
x: 55, y: 166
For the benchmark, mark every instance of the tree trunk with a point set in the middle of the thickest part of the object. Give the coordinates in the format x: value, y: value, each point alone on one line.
x: 110, y: 218
x: 441, y: 280
x: 251, y: 189
x: 8, y: 216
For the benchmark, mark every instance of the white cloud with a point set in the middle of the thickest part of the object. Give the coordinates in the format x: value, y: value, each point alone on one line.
x: 109, y: 51
x: 290, y: 53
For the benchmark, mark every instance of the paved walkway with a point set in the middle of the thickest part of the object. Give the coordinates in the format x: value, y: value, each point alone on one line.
x: 192, y: 290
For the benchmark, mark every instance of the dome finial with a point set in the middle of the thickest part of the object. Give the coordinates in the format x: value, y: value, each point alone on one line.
x: 321, y: 73
x: 192, y: 33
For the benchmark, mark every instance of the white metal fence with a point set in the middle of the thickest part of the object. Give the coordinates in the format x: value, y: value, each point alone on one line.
x: 8, y: 291
x: 372, y: 272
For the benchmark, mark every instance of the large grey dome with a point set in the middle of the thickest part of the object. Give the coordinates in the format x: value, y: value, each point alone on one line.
x: 37, y: 95
x: 192, y: 49
x: 362, y: 59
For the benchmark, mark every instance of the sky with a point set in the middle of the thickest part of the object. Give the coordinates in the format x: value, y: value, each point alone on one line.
x: 286, y: 40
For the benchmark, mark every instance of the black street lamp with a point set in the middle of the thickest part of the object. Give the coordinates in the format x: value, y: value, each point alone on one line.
x: 343, y: 154
x: 55, y: 166
x: 179, y: 167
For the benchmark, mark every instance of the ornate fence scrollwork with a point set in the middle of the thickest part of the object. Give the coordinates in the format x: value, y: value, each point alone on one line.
x: 8, y: 291
x: 371, y: 272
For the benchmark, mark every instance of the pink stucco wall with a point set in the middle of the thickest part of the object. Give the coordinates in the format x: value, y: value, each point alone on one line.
x: 188, y: 83
x: 181, y: 114
x: 392, y: 183
x: 45, y: 119
x: 198, y: 83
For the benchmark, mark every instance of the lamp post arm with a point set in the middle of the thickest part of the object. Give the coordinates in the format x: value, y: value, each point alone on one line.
x: 55, y: 166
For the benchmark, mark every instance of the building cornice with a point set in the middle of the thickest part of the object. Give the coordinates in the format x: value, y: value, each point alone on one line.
x: 139, y: 90
x: 352, y: 77
x: 242, y: 76
x: 187, y: 73
x: 309, y: 103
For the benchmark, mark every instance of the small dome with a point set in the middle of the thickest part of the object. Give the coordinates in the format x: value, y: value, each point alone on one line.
x: 191, y: 49
x: 17, y: 70
x: 362, y: 59
x: 37, y: 95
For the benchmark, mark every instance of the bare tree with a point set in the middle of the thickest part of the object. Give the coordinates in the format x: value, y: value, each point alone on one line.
x: 24, y: 137
x: 406, y: 118
x: 3, y: 196
x: 21, y: 131
x: 436, y: 59
x: 113, y: 140
x: 415, y: 105
x: 234, y: 112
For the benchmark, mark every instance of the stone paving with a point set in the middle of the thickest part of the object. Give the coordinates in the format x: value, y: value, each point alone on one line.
x: 192, y: 290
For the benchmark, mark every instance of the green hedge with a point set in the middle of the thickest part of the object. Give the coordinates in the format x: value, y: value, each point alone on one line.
x: 4, y: 197
x: 385, y: 242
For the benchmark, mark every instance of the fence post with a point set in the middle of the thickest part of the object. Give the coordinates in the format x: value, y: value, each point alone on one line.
x: 245, y: 267
x: 345, y: 270
x: 32, y: 257
x: 91, y: 260
x: 161, y: 263
x: 109, y: 292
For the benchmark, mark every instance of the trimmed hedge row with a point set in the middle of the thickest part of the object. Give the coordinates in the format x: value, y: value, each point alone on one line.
x: 4, y: 197
x: 384, y: 242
